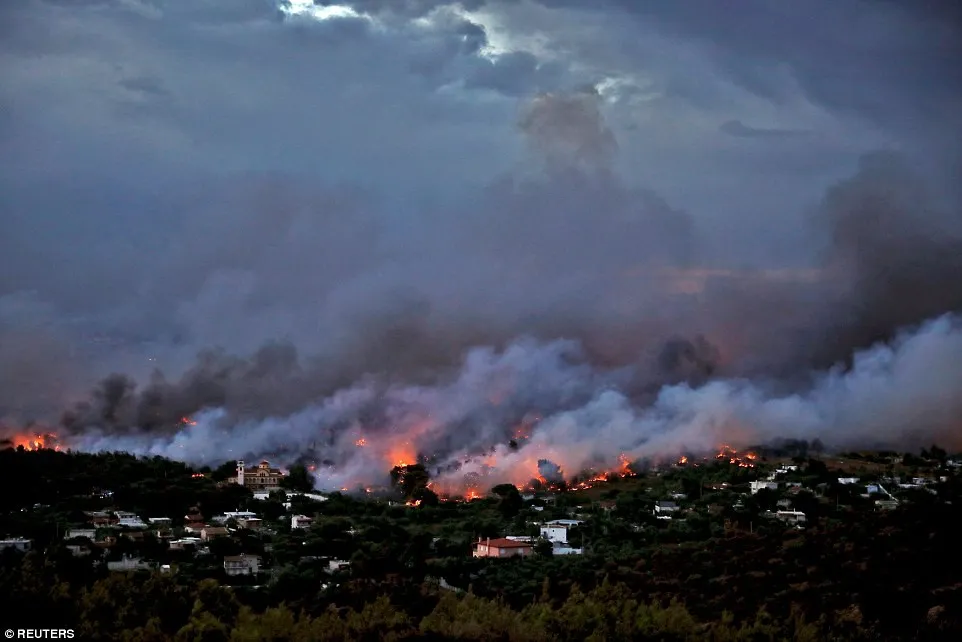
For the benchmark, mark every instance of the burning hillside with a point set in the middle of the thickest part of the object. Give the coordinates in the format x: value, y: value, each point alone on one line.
x: 32, y: 441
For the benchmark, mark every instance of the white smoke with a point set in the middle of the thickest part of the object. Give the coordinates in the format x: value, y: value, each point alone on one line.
x: 906, y: 390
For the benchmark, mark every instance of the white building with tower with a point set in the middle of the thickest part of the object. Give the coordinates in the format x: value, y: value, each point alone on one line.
x: 260, y: 477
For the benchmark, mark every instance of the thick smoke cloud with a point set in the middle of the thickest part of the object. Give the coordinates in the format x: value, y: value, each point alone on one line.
x: 568, y: 305
x: 600, y: 273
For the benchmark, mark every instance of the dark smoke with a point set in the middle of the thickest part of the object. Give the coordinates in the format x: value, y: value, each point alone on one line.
x: 635, y: 342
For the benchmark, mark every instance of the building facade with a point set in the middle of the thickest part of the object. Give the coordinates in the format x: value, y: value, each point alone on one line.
x: 502, y: 547
x: 260, y: 477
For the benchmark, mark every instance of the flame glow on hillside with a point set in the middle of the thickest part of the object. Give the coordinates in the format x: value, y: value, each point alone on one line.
x: 36, y: 441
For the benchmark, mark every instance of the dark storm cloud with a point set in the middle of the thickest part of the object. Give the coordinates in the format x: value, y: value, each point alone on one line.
x: 377, y: 210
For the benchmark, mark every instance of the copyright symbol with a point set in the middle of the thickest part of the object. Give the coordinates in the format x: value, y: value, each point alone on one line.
x: 8, y: 633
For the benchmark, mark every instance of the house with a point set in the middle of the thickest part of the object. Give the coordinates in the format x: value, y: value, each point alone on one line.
x: 17, y: 543
x: 183, y: 543
x: 663, y: 508
x: 558, y: 548
x: 759, y: 485
x: 502, y: 547
x: 235, y: 515
x: 847, y: 481
x: 886, y: 504
x: 260, y: 478
x: 301, y: 521
x: 73, y: 533
x: 159, y: 522
x: 334, y: 566
x: 129, y: 564
x: 555, y: 533
x: 250, y: 523
x: 242, y: 564
x: 195, y: 527
x: 130, y: 522
x: 679, y: 496
x: 784, y: 503
x: 791, y: 516
x: 212, y: 532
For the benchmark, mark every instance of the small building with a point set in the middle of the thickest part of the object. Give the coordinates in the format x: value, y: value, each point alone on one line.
x: 130, y: 522
x: 784, y: 503
x: 213, y: 532
x: 235, y: 515
x: 250, y: 523
x: 333, y: 566
x: 886, y: 504
x: 555, y: 533
x: 74, y: 533
x: 242, y: 564
x: 195, y: 528
x: 184, y: 543
x: 759, y: 485
x: 159, y: 522
x: 502, y: 547
x: 129, y: 564
x: 301, y: 521
x: 848, y: 481
x: 558, y: 548
x: 16, y: 543
x: 791, y: 516
x: 664, y: 508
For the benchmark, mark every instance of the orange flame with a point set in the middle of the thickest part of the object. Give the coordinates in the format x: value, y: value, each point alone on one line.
x: 401, y: 455
x: 360, y: 443
x: 187, y: 421
x: 36, y: 442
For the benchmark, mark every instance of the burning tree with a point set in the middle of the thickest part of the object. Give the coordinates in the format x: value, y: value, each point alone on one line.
x: 410, y: 479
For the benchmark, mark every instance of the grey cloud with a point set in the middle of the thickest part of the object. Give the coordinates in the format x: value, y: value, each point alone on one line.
x: 741, y: 130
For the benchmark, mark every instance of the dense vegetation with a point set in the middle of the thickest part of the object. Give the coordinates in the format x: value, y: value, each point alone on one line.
x: 722, y: 573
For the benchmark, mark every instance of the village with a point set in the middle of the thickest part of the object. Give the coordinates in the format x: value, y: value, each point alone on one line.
x: 244, y: 544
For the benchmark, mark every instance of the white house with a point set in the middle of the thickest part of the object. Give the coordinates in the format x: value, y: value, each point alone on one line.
x: 131, y: 522
x: 301, y: 521
x: 558, y: 548
x: 791, y: 516
x: 237, y: 514
x: 337, y: 565
x: 759, y: 485
x: 848, y: 481
x: 555, y: 533
x: 18, y: 543
x: 242, y: 564
x: 89, y: 533
x: 129, y: 564
x: 665, y: 508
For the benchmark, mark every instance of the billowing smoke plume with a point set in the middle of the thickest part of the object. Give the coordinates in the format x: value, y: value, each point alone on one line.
x: 634, y: 344
x: 893, y: 395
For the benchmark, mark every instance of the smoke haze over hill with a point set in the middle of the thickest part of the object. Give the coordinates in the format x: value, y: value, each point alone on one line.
x: 464, y: 228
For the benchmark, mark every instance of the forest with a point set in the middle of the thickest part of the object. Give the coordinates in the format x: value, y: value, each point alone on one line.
x: 723, y: 572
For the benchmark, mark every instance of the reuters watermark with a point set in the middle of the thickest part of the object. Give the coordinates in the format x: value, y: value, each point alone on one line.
x: 39, y: 634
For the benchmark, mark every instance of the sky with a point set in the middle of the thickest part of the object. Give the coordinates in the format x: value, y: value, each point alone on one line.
x: 385, y: 185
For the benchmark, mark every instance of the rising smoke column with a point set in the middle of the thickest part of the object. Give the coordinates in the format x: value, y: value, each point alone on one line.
x: 894, y: 394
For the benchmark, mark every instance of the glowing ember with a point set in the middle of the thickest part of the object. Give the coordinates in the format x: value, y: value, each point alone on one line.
x: 682, y: 461
x: 471, y: 495
x: 198, y: 475
x: 360, y: 443
x: 187, y: 421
